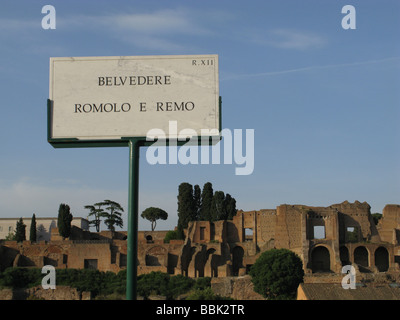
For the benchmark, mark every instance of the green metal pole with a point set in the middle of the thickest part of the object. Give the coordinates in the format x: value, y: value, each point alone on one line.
x: 133, y: 200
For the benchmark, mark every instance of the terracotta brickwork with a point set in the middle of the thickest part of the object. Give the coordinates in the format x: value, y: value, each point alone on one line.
x: 325, y: 238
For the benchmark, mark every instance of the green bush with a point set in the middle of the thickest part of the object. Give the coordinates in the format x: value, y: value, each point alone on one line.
x: 159, y: 283
x: 108, y: 285
x: 277, y: 273
x: 178, y: 285
x: 205, y: 294
x: 21, y: 277
x: 171, y: 235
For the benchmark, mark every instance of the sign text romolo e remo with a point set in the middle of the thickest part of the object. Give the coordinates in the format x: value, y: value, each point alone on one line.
x: 108, y: 98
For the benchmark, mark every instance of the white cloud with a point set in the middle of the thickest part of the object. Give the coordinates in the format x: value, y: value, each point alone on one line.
x: 160, y: 22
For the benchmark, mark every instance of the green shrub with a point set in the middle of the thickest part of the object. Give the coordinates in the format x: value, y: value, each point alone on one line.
x: 171, y: 235
x: 205, y: 294
x: 277, y: 273
x: 21, y: 277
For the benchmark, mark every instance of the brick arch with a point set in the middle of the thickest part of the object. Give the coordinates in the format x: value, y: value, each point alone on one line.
x: 344, y: 255
x: 156, y: 256
x: 361, y: 256
x: 237, y: 259
x: 321, y: 258
x: 382, y: 259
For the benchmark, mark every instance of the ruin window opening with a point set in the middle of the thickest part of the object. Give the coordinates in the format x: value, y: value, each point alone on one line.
x: 90, y: 264
x: 248, y: 234
x: 352, y: 234
x: 319, y: 232
x: 149, y: 239
x: 202, y: 232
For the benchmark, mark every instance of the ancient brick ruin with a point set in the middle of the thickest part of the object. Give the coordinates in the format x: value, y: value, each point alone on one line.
x: 325, y: 238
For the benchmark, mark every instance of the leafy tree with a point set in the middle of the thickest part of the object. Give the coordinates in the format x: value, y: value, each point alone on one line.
x: 32, y: 232
x: 20, y: 231
x: 153, y: 214
x: 206, y: 201
x: 113, y: 217
x: 186, y: 207
x: 277, y: 273
x: 64, y: 220
x: 97, y: 213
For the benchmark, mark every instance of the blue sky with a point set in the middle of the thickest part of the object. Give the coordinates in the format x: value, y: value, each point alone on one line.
x: 324, y: 102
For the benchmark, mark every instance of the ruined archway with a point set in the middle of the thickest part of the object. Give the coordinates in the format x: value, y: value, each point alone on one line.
x: 237, y: 259
x: 382, y: 259
x: 361, y: 256
x: 320, y: 259
x: 344, y: 255
x: 156, y: 256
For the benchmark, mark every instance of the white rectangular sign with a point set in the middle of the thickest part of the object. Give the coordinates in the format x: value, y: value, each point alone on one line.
x: 97, y: 98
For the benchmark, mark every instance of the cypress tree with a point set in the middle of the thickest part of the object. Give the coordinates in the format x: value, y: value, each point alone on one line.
x: 206, y: 201
x: 32, y: 233
x: 64, y: 220
x: 230, y: 207
x: 20, y: 231
x: 186, y: 207
x: 197, y: 200
x: 218, y: 211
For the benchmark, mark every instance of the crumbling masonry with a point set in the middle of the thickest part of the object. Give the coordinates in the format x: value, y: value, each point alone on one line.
x: 325, y: 238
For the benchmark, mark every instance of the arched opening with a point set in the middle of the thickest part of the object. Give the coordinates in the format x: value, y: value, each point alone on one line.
x: 344, y: 256
x: 212, y: 269
x: 320, y: 259
x: 237, y: 257
x: 382, y: 259
x: 155, y: 257
x: 361, y: 256
x: 149, y: 239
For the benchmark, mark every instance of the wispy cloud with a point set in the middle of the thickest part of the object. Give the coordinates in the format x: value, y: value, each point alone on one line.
x: 25, y: 196
x: 159, y: 29
x: 155, y: 30
x: 309, y: 68
x: 288, y: 39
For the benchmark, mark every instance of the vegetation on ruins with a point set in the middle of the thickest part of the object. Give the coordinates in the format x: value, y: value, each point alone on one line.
x: 171, y: 235
x: 277, y: 273
x: 113, y: 216
x: 111, y: 213
x: 376, y: 217
x: 153, y: 214
x: 206, y: 205
x: 64, y: 220
x: 32, y: 232
x: 96, y: 212
x: 20, y: 234
x: 109, y: 285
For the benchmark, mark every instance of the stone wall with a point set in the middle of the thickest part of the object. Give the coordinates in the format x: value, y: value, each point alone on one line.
x: 238, y: 288
x: 60, y: 293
